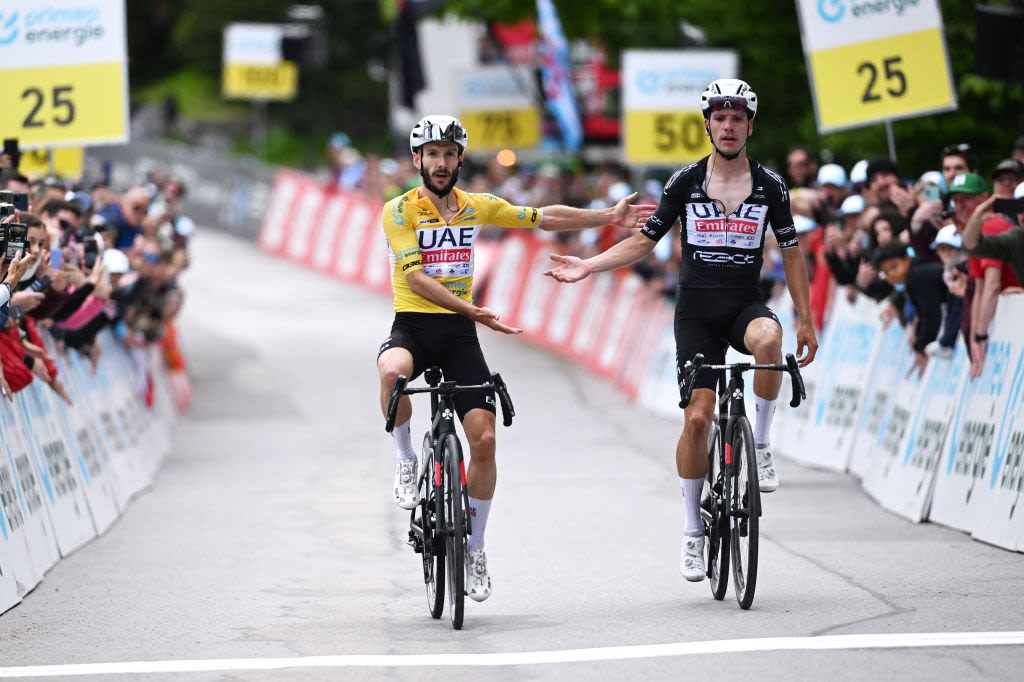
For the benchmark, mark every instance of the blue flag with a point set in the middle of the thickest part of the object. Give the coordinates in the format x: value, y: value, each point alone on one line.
x: 557, y: 77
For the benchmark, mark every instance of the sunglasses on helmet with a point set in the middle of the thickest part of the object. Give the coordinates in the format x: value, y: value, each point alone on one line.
x: 720, y: 102
x: 962, y: 148
x: 452, y: 132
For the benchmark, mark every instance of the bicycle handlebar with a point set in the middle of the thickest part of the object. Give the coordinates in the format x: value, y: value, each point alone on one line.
x: 797, y: 383
x: 504, y: 399
x: 497, y: 384
x: 695, y: 366
x: 396, y: 393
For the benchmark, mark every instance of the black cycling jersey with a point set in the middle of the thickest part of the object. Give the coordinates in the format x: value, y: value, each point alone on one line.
x: 723, y: 250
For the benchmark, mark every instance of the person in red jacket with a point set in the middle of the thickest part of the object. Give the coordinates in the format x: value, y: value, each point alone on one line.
x: 17, y: 374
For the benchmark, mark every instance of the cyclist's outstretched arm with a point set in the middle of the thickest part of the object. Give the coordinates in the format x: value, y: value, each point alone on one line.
x: 623, y: 214
x: 800, y: 291
x: 422, y: 284
x: 572, y: 269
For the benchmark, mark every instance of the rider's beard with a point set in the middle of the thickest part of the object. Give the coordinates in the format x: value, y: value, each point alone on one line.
x: 443, y: 190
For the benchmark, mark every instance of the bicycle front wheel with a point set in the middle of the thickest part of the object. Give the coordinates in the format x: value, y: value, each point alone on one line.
x: 431, y: 512
x: 455, y: 536
x: 744, y: 512
x: 716, y: 522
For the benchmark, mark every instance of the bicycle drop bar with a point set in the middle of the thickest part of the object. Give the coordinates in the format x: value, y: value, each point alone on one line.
x: 507, y: 410
x: 497, y: 384
x: 695, y: 366
x: 799, y: 392
x: 396, y: 393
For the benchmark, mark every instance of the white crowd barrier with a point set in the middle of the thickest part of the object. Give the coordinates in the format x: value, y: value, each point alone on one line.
x: 936, y: 447
x: 67, y: 473
x: 940, y: 447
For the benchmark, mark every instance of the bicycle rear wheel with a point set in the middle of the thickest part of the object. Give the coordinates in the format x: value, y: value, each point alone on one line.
x: 455, y: 535
x: 431, y: 512
x: 716, y: 523
x: 744, y: 513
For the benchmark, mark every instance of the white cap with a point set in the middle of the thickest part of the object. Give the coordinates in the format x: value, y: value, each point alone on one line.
x: 619, y: 191
x: 1019, y: 192
x: 933, y: 178
x: 948, y: 236
x: 859, y: 172
x: 115, y: 261
x: 184, y: 226
x: 832, y: 174
x: 852, y: 204
x: 803, y: 224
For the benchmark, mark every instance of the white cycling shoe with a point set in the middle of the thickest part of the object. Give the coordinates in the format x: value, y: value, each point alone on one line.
x: 767, y: 477
x: 478, y: 581
x: 407, y: 494
x: 691, y: 558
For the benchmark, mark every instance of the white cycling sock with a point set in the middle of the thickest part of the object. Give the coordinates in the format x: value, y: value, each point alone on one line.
x: 692, y: 488
x: 765, y: 410
x: 403, y: 441
x: 478, y: 512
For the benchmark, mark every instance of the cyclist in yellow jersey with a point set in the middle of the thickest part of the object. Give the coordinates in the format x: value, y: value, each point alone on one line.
x: 430, y: 232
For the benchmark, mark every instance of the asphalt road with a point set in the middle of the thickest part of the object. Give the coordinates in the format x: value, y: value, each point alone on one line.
x: 270, y: 533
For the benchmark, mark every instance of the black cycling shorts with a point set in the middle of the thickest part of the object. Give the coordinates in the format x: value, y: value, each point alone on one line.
x: 449, y: 342
x: 709, y: 319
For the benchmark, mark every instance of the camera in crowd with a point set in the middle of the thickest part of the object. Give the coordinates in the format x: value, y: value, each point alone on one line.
x: 13, y: 236
x: 18, y: 199
x: 1010, y: 207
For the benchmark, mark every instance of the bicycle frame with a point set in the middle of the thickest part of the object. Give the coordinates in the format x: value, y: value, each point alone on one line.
x: 442, y: 424
x: 731, y: 406
x: 442, y: 410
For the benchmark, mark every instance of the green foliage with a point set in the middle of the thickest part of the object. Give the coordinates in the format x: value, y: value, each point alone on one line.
x: 187, y: 36
x: 767, y: 36
x: 198, y: 95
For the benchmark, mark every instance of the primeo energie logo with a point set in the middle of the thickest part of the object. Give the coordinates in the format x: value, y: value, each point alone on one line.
x: 54, y: 24
x: 834, y: 11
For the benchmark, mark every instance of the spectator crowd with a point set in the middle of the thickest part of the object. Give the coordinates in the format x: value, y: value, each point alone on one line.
x: 869, y: 230
x: 91, y: 259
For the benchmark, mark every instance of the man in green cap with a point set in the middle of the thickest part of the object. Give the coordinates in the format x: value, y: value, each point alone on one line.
x: 991, y: 275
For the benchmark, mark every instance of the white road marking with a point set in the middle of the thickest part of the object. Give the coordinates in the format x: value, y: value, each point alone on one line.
x: 832, y: 642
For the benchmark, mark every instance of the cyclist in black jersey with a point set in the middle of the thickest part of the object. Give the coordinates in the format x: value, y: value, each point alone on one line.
x: 724, y: 205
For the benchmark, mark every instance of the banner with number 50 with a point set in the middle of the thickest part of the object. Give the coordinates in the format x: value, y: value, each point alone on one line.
x: 64, y: 71
x: 661, y: 119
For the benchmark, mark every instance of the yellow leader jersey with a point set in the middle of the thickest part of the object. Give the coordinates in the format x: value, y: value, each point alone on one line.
x: 420, y: 239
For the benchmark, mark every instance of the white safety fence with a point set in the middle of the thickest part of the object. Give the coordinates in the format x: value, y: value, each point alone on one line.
x: 939, y: 447
x: 67, y: 473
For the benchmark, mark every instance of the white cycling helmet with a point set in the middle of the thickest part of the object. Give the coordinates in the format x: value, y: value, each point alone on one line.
x: 728, y: 92
x: 438, y: 128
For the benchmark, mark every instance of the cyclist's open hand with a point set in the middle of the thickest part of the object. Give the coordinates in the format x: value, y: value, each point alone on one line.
x: 806, y: 344
x: 627, y: 215
x: 489, y: 318
x: 569, y: 269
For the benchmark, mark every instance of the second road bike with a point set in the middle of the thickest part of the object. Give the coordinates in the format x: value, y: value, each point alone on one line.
x: 731, y: 503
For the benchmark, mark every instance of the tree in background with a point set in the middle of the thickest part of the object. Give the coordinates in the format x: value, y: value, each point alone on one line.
x: 767, y: 37
x: 185, y: 37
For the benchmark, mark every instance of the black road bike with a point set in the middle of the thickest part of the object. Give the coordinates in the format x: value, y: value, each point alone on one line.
x: 439, y: 524
x: 731, y: 504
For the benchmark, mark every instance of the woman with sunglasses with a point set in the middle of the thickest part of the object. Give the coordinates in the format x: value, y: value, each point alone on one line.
x: 725, y: 203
